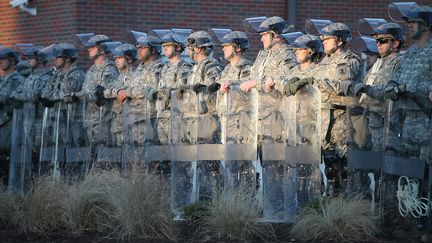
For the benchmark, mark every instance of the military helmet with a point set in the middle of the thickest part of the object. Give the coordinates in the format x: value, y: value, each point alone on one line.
x: 339, y: 30
x: 311, y: 42
x: 239, y: 38
x: 276, y: 24
x: 126, y: 50
x: 97, y: 40
x: 149, y: 41
x: 65, y: 50
x: 34, y: 52
x: 200, y: 39
x: 419, y: 14
x: 176, y: 37
x: 9, y: 53
x: 392, y: 30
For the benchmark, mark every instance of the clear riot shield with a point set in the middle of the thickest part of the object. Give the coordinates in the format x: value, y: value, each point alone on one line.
x: 272, y: 138
x: 108, y: 154
x: 239, y: 126
x: 210, y: 150
x: 403, y: 130
x: 52, y: 151
x: 139, y: 127
x: 364, y: 128
x: 78, y: 150
x: 183, y: 139
x: 303, y: 149
x: 20, y: 169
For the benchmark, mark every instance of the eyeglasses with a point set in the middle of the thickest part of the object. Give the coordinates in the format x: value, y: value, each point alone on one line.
x: 383, y: 41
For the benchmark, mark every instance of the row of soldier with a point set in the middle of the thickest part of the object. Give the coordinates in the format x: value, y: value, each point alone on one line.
x: 305, y: 100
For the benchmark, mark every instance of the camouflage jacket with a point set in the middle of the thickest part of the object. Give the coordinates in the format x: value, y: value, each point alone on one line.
x: 172, y: 76
x: 65, y: 83
x: 235, y: 75
x: 34, y: 85
x: 145, y: 76
x: 377, y: 78
x: 8, y: 84
x: 275, y: 63
x: 336, y: 73
x: 416, y: 74
x: 102, y: 75
x: 206, y: 72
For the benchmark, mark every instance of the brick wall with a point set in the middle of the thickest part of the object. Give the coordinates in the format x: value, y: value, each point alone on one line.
x: 58, y: 21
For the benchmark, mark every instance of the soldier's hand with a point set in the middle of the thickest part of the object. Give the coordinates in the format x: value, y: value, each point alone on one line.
x: 214, y: 87
x: 393, y: 90
x: 269, y: 84
x: 162, y: 94
x: 45, y: 102
x: 197, y: 88
x: 360, y: 88
x: 224, y: 87
x: 248, y: 85
x: 121, y: 95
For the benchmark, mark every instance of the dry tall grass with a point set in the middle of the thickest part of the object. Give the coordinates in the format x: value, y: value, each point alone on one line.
x: 339, y: 219
x: 91, y: 203
x: 143, y: 209
x: 8, y: 208
x: 234, y: 214
x: 43, y: 208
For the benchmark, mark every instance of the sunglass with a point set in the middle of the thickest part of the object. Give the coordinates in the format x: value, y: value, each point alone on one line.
x: 383, y: 41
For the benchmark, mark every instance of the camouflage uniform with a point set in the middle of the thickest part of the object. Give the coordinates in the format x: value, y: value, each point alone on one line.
x: 140, y: 108
x: 172, y: 76
x: 377, y: 77
x: 97, y: 75
x: 415, y: 73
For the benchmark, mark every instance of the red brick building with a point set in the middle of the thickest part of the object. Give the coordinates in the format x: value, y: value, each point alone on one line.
x: 59, y: 21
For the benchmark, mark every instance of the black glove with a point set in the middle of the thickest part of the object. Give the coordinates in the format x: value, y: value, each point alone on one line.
x: 99, y: 93
x: 198, y: 88
x: 214, y: 87
x: 393, y: 90
x: 45, y: 102
x: 347, y: 87
x: 360, y: 88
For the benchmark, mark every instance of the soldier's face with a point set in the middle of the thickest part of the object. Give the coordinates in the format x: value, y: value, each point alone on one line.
x: 330, y: 45
x: 144, y: 53
x: 266, y: 39
x: 229, y: 51
x: 93, y: 52
x: 169, y: 51
x: 32, y: 62
x: 413, y: 30
x: 302, y: 55
x: 384, y: 46
x: 121, y: 63
x: 59, y: 62
x: 5, y: 64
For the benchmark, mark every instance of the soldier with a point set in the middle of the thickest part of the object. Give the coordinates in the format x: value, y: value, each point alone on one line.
x: 10, y: 80
x: 336, y: 74
x: 39, y: 78
x: 205, y: 72
x: 126, y: 62
x: 173, y: 75
x: 140, y: 95
x: 99, y: 75
x: 238, y: 118
x: 389, y: 40
x: 271, y: 66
